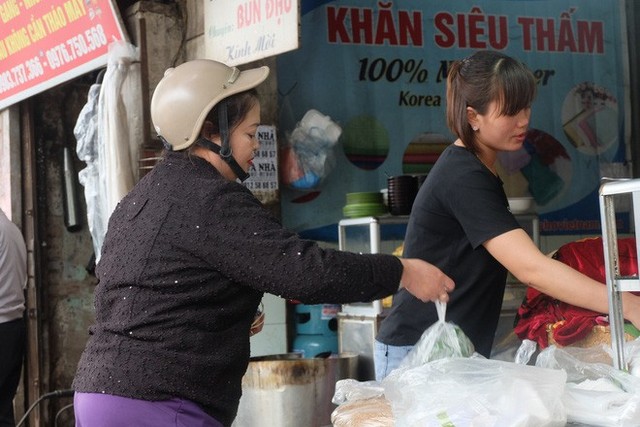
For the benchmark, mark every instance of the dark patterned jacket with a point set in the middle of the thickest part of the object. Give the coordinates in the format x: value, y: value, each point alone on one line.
x: 187, y: 257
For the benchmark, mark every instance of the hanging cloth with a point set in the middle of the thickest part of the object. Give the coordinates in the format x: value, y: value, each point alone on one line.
x: 104, y: 143
x: 115, y: 163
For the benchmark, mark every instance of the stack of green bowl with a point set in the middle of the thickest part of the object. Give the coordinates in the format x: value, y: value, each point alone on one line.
x: 364, y: 204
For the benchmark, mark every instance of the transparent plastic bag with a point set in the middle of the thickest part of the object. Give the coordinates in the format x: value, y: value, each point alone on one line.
x: 476, y: 392
x: 371, y: 412
x: 443, y: 382
x: 526, y: 350
x: 596, y: 393
x: 349, y: 389
x: 360, y: 404
x: 632, y: 355
x: 308, y: 156
x: 440, y: 340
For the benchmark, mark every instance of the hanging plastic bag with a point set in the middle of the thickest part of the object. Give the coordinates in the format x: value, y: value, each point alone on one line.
x: 440, y: 340
x: 308, y: 156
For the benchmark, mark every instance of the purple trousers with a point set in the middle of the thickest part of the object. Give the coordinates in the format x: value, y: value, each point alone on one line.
x: 106, y: 410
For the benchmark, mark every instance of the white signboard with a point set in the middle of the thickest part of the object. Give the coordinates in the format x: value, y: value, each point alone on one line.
x: 241, y: 31
x: 263, y: 180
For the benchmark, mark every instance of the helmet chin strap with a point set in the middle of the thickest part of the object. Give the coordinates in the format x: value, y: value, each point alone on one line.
x: 224, y: 150
x: 235, y: 167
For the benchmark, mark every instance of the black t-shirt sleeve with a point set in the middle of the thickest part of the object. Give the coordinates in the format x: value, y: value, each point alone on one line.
x: 482, y: 212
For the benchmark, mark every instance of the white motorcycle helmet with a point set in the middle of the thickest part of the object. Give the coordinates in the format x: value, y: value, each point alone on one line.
x: 188, y: 92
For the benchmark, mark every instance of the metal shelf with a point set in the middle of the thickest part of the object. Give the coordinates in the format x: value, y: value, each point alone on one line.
x: 374, y: 223
x: 615, y: 282
x: 374, y: 229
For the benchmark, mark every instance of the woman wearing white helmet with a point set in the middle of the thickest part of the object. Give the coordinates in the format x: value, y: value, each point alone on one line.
x: 188, y: 255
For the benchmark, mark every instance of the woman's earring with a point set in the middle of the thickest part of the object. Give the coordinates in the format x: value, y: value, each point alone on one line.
x: 475, y: 128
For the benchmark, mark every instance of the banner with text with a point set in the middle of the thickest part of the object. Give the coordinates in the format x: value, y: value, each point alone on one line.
x: 47, y: 42
x: 241, y: 31
x: 379, y: 70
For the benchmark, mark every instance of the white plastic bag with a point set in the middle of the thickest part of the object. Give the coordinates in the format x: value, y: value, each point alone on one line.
x: 349, y: 389
x: 596, y: 393
x: 525, y: 351
x: 308, y: 157
x: 631, y: 355
x: 477, y: 392
x: 360, y: 404
x: 438, y: 384
x: 440, y: 340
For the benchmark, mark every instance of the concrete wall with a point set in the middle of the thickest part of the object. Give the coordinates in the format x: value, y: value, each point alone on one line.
x: 66, y: 288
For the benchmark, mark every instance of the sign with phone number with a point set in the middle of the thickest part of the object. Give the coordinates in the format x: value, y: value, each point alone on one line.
x: 44, y: 43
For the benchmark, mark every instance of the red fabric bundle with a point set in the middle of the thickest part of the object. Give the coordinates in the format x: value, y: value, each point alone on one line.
x: 571, y: 323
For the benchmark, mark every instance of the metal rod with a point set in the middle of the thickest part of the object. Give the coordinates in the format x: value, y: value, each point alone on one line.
x: 616, y: 283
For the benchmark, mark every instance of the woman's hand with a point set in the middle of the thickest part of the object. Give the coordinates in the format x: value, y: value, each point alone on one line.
x: 425, y: 281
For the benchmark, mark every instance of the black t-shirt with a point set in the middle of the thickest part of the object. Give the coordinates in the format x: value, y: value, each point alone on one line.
x: 460, y: 205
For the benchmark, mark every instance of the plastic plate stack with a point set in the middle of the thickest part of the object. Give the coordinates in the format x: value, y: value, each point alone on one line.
x: 364, y: 204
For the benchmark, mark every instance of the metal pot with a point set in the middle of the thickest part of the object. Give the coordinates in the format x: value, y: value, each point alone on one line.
x: 288, y: 391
